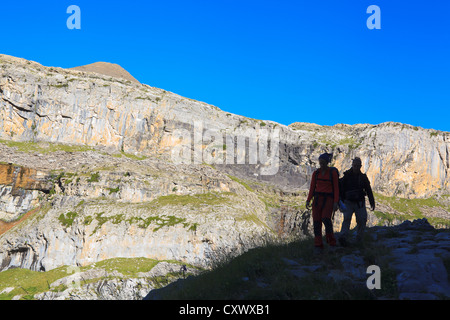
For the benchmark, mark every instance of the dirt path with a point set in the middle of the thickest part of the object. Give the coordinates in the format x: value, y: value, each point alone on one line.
x: 5, y: 226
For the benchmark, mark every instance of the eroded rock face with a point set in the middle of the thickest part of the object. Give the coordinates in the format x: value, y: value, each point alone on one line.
x: 127, y: 196
x: 67, y: 106
x: 20, y: 189
x: 142, y: 208
x: 399, y: 159
x: 102, y: 230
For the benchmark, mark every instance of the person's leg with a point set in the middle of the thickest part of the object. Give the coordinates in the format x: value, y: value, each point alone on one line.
x: 326, y: 219
x: 317, y: 222
x: 361, y: 220
x: 345, y: 227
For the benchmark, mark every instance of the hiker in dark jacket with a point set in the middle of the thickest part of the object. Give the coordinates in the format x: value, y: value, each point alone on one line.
x: 354, y: 186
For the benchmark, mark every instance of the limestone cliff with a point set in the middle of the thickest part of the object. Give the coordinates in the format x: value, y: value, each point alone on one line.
x: 21, y: 188
x: 95, y: 167
x: 67, y: 106
x: 399, y: 159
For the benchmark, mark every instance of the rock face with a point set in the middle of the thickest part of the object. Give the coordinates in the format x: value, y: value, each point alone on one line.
x: 114, y: 168
x: 137, y: 212
x: 67, y: 106
x: 399, y: 159
x: 20, y: 189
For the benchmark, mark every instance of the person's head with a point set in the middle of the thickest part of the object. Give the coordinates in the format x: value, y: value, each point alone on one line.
x: 325, y: 159
x: 356, y: 165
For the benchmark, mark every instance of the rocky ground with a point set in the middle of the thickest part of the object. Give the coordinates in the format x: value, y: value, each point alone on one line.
x: 413, y: 259
x: 418, y: 258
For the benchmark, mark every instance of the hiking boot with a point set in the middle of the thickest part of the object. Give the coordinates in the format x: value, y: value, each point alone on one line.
x: 330, y: 239
x: 318, y: 241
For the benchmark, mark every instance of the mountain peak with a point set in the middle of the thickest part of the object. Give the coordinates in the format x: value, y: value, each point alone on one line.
x: 108, y: 69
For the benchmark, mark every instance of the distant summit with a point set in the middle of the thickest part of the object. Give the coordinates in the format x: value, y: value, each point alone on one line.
x: 108, y: 69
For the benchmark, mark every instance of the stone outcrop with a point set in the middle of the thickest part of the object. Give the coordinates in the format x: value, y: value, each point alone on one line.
x: 114, y: 168
x: 399, y: 159
x: 66, y: 106
x: 20, y: 190
x: 137, y: 212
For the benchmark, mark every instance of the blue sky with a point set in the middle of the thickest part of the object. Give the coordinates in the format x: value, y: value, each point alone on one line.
x: 286, y: 61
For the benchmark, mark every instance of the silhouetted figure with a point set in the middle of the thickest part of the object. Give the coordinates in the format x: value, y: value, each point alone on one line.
x: 325, y: 190
x: 354, y: 186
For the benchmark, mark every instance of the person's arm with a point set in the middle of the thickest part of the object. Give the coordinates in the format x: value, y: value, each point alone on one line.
x: 369, y: 192
x: 312, y: 186
x: 311, y: 189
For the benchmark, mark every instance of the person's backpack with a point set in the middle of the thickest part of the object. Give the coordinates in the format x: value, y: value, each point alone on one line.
x: 331, y: 175
x: 325, y: 194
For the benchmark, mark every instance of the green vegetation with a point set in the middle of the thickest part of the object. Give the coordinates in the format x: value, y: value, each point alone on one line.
x: 273, y: 200
x: 113, y: 190
x: 129, y: 155
x: 242, y: 121
x: 95, y: 177
x: 193, y: 200
x: 350, y: 142
x: 143, y: 98
x: 142, y: 222
x: 63, y: 85
x: 385, y: 218
x: 27, y: 283
x: 129, y: 267
x: 44, y: 148
x: 253, y: 218
x: 152, y: 207
x: 164, y: 221
x: 411, y: 209
x: 325, y: 141
x: 68, y: 218
x: 70, y: 176
x: 116, y: 219
x: 439, y: 222
x: 246, y: 186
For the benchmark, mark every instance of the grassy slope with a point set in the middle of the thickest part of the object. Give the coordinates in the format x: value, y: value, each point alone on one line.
x: 27, y: 283
x: 412, y: 209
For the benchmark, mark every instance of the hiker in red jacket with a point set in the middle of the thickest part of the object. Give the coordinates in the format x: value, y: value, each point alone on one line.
x: 325, y: 190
